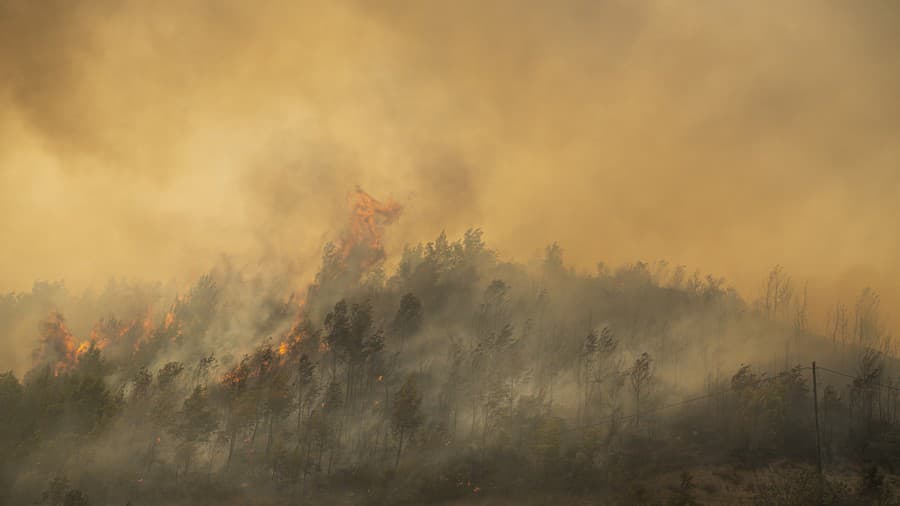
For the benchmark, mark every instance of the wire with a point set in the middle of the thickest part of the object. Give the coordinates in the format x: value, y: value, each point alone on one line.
x: 682, y: 403
x: 715, y: 394
x: 839, y: 373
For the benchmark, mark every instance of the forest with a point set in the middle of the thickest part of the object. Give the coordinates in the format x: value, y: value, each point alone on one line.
x: 454, y: 377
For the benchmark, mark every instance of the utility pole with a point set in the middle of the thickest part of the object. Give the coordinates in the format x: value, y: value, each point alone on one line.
x: 818, y: 437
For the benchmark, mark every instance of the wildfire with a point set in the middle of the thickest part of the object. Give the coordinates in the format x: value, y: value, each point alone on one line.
x: 359, y: 247
x: 100, y: 334
x: 148, y: 321
x: 109, y: 331
x: 83, y: 347
x: 234, y: 377
x: 58, y: 345
x: 368, y: 218
x: 62, y: 350
x: 170, y: 319
x: 298, y: 329
x: 146, y: 329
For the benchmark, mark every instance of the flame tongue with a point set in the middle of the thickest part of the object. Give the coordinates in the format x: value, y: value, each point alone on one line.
x: 360, y: 248
x: 62, y: 350
x: 58, y: 345
x: 364, y: 236
x: 109, y: 331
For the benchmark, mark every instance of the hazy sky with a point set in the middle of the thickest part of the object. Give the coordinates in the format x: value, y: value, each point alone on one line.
x: 146, y: 138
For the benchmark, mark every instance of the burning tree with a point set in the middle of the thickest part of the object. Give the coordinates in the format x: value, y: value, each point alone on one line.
x: 359, y: 249
x: 57, y: 346
x: 363, y: 238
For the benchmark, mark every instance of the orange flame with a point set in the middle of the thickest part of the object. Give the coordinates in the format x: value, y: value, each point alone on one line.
x: 108, y: 331
x: 148, y: 321
x: 233, y: 377
x: 365, y: 233
x: 83, y: 347
x: 170, y: 319
x: 146, y: 327
x: 298, y: 329
x: 58, y: 345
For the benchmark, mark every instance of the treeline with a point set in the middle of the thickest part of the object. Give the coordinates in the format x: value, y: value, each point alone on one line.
x: 458, y: 375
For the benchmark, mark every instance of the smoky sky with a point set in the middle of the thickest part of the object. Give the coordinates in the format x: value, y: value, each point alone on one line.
x: 145, y: 139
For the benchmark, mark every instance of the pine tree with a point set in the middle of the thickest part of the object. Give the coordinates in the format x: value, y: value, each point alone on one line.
x: 408, y: 319
x: 406, y: 417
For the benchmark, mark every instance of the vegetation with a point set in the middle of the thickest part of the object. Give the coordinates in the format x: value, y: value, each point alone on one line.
x: 459, y: 376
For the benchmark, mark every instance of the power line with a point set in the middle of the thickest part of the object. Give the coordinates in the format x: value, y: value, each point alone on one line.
x: 832, y: 371
x: 716, y: 394
x: 684, y: 402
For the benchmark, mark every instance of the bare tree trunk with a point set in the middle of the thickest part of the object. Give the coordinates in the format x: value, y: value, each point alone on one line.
x: 299, y: 414
x: 399, y: 450
x: 349, y: 383
x: 253, y: 432
x: 306, y: 461
x: 269, y: 436
x: 151, y: 453
x: 230, y: 448
x: 455, y: 419
x: 212, y: 456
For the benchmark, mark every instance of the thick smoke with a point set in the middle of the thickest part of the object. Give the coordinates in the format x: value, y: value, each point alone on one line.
x: 145, y: 140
